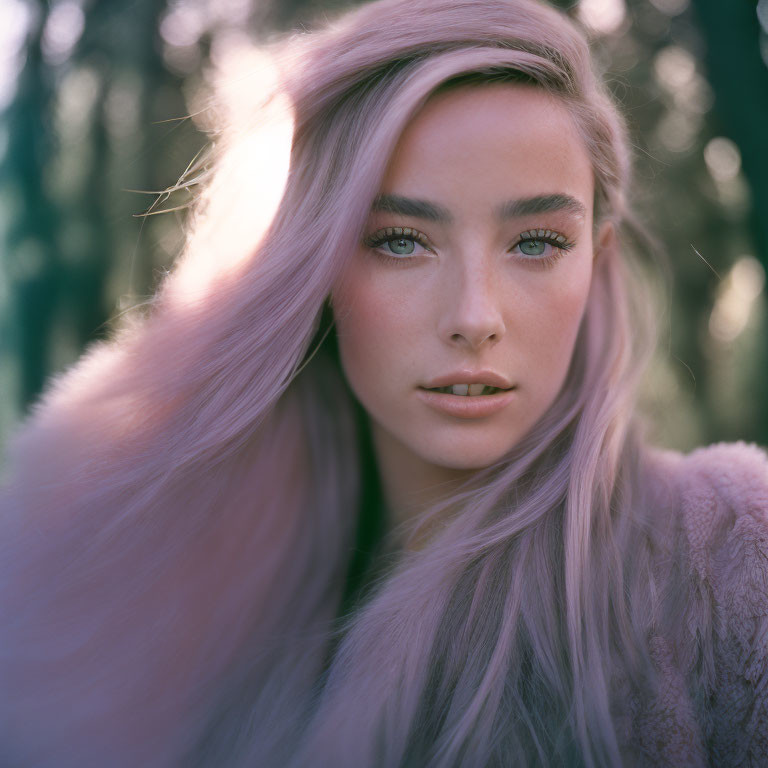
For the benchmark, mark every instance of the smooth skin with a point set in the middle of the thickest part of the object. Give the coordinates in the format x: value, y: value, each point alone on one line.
x: 471, y: 295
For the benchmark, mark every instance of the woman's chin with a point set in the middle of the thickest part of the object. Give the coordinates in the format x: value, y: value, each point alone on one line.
x: 464, y: 458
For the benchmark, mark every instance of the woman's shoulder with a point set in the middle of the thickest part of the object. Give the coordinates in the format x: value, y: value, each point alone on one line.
x: 710, y: 517
x: 717, y: 498
x: 720, y: 495
x: 732, y: 477
x: 723, y: 497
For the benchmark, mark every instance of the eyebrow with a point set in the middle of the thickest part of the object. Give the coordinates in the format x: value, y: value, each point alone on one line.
x: 407, y: 206
x: 541, y: 204
x: 421, y: 209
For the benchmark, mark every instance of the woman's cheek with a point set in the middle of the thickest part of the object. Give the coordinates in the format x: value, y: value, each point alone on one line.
x: 368, y: 325
x: 551, y: 323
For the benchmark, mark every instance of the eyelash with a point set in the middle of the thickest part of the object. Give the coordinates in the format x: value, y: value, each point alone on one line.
x: 559, y: 243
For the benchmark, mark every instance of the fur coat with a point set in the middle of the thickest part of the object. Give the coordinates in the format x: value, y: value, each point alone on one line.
x: 712, y: 570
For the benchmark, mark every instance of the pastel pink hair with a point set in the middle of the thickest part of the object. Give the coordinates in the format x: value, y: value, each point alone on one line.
x: 180, y: 509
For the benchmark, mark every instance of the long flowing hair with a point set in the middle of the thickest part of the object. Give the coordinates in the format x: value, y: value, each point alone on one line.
x: 183, y: 507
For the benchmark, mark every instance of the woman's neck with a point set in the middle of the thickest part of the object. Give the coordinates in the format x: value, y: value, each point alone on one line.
x: 410, y: 484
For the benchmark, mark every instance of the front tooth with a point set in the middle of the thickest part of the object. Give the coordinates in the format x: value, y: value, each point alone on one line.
x: 476, y: 389
x: 460, y: 389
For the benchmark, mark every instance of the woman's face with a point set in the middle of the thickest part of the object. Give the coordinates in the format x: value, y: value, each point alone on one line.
x: 477, y: 256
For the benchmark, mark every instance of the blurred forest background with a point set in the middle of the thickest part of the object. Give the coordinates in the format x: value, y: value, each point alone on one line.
x: 95, y: 98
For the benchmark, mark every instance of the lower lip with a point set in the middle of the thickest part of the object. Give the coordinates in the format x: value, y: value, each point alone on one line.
x: 466, y: 407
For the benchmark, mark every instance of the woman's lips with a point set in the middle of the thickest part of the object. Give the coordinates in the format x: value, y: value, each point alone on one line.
x: 467, y: 407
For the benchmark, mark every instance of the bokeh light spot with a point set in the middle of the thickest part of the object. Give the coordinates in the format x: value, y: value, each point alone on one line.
x: 78, y: 92
x: 723, y: 159
x: 18, y: 18
x: 762, y: 14
x: 122, y: 107
x: 602, y: 16
x: 63, y: 29
x: 674, y: 67
x: 183, y: 24
x: 670, y: 7
x: 677, y: 131
x: 736, y: 297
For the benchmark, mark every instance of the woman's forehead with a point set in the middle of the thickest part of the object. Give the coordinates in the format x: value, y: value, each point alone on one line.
x: 491, y: 145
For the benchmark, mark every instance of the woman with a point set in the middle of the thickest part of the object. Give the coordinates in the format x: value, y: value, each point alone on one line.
x: 245, y: 533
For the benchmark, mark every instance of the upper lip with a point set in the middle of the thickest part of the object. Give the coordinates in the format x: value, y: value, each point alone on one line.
x: 490, y: 378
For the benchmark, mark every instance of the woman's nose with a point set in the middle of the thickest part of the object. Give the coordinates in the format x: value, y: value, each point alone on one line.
x: 472, y: 313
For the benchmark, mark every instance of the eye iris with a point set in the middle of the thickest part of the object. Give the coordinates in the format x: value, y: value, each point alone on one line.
x: 401, y: 245
x: 532, y: 247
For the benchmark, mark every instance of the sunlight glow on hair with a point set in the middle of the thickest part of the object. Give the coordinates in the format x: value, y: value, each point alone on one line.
x: 255, y: 126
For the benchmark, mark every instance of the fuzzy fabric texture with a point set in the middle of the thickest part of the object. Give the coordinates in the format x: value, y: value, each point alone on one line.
x: 711, y: 646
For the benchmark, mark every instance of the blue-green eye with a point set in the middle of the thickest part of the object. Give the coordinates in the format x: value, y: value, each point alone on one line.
x: 401, y: 246
x: 532, y: 247
x: 542, y: 247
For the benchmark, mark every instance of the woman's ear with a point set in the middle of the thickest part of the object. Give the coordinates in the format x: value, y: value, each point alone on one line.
x: 606, y: 240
